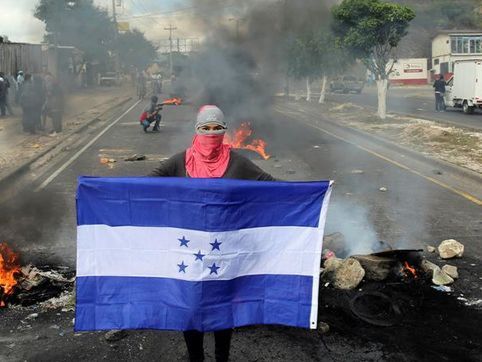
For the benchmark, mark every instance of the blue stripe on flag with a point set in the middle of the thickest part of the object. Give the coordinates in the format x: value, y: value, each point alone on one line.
x: 198, y: 204
x: 105, y: 303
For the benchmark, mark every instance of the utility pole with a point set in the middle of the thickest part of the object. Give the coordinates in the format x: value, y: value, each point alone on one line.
x: 238, y: 21
x: 116, y: 37
x: 170, y: 28
x: 114, y: 15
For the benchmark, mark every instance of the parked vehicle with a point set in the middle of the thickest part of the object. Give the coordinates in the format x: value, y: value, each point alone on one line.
x: 346, y: 84
x: 464, y: 88
x: 109, y: 79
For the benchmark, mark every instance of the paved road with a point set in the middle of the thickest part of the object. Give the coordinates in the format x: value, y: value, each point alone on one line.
x: 411, y: 212
x: 418, y: 101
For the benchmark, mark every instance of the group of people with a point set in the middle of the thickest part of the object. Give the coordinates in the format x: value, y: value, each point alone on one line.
x: 142, y: 79
x: 39, y: 96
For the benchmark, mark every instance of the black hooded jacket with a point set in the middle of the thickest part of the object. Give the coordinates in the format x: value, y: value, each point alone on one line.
x: 239, y: 167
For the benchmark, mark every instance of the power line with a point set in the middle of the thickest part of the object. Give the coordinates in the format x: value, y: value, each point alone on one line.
x: 155, y: 14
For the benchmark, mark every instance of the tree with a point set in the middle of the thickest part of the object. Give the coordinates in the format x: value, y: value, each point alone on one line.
x: 331, y: 58
x: 80, y: 24
x: 135, y: 50
x: 371, y: 30
x: 303, y: 60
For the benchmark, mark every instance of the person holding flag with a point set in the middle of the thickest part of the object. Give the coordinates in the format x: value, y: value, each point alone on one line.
x: 209, y: 157
x: 201, y: 248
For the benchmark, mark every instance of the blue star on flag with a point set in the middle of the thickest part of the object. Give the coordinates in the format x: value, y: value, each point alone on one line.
x: 183, y: 241
x: 199, y: 256
x: 215, y: 245
x: 182, y: 267
x: 214, y: 269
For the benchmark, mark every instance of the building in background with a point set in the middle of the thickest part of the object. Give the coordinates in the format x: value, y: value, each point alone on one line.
x: 449, y: 46
x: 411, y: 71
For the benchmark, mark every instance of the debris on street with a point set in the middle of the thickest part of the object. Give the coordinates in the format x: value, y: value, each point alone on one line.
x: 451, y: 271
x: 376, y: 268
x: 442, y: 288
x: 66, y: 301
x: 115, y: 335
x: 357, y: 172
x: 345, y: 274
x: 441, y: 278
x: 323, y: 327
x: 450, y: 249
x: 136, y: 157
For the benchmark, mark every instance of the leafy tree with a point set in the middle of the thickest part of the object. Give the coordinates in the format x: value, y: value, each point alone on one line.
x: 303, y: 60
x: 371, y: 30
x: 135, y: 50
x: 80, y: 24
x: 332, y: 58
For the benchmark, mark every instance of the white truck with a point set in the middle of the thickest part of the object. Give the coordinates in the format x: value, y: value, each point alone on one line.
x: 464, y: 88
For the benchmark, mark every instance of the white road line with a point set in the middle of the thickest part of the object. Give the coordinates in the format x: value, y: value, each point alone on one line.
x: 82, y: 150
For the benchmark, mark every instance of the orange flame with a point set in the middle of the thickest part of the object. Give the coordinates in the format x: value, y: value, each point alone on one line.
x: 239, y: 140
x: 9, y: 268
x: 410, y: 269
x: 172, y: 101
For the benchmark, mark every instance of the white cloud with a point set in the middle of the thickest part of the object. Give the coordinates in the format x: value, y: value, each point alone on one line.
x: 18, y: 23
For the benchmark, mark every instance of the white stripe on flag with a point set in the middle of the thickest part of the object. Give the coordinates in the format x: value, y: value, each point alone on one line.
x: 316, y: 265
x: 157, y: 252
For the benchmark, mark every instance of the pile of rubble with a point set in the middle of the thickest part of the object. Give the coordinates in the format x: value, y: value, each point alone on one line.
x: 51, y: 287
x: 348, y: 273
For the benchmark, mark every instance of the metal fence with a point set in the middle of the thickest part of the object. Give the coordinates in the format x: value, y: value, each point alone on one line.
x: 19, y: 56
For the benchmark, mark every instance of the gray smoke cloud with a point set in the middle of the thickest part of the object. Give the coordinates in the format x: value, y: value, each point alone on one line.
x: 243, y: 55
x: 27, y: 221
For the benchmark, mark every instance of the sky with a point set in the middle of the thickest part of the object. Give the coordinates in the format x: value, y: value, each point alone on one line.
x: 19, y: 25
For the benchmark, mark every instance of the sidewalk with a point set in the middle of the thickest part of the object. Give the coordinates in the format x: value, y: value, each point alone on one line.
x: 17, y: 147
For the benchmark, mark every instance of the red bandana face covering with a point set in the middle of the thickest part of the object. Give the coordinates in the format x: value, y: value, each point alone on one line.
x: 208, y: 157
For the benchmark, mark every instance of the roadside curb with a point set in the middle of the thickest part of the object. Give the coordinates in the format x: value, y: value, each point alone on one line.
x: 474, y: 176
x: 22, y: 168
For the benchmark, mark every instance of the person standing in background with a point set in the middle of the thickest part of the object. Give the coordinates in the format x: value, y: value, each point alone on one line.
x: 3, y: 97
x: 6, y: 100
x: 27, y: 102
x: 38, y: 102
x: 439, y: 86
x: 20, y: 80
x: 54, y: 107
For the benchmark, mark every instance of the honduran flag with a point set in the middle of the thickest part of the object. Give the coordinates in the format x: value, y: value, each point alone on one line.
x: 202, y: 254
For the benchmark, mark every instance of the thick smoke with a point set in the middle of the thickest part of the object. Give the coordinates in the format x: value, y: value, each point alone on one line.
x: 243, y: 58
x: 31, y: 220
x: 243, y: 62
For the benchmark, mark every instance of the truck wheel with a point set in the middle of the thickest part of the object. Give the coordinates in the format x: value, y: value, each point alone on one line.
x: 467, y: 109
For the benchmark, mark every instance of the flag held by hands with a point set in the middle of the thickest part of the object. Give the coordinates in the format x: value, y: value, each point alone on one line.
x: 203, y: 254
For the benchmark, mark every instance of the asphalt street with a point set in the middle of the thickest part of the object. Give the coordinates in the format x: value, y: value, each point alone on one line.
x: 412, y: 211
x: 416, y: 101
x: 373, y: 200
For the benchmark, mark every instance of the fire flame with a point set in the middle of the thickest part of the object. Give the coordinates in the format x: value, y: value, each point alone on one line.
x: 9, y: 268
x: 172, y: 101
x: 239, y: 140
x: 410, y: 269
